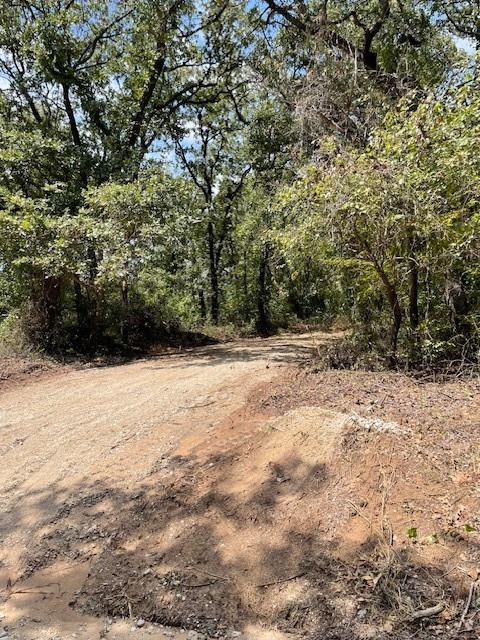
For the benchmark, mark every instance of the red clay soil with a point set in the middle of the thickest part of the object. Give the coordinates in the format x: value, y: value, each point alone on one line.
x: 338, y: 505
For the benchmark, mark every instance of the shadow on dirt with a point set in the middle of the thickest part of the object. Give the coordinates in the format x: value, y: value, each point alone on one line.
x: 286, y: 353
x: 190, y: 549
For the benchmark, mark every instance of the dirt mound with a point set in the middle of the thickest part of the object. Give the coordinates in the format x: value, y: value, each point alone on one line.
x: 14, y: 369
x: 294, y: 526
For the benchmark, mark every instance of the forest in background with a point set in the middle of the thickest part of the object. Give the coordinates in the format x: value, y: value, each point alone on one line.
x: 167, y: 165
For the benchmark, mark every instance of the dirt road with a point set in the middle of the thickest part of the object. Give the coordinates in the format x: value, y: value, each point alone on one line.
x: 111, y: 426
x: 224, y: 492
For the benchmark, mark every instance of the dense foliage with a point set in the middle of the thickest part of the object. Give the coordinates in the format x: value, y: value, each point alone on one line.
x: 168, y: 164
x: 396, y: 227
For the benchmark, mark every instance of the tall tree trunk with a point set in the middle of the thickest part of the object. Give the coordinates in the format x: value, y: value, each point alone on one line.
x: 413, y: 295
x: 413, y: 312
x: 263, y: 320
x: 125, y: 324
x: 396, y: 309
x: 246, y: 305
x: 213, y: 268
x: 413, y: 280
x: 396, y: 324
x: 414, y: 341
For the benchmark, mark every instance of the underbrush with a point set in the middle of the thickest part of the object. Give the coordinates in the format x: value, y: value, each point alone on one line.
x: 14, y: 337
x: 355, y: 352
x: 227, y: 332
x: 20, y: 358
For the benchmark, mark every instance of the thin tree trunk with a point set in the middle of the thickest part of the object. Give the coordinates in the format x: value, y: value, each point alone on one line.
x: 214, y: 293
x: 413, y: 312
x: 413, y: 295
x: 245, y: 286
x: 263, y: 320
x: 125, y: 328
x: 203, y: 306
x: 397, y: 314
x: 413, y: 281
x: 396, y: 309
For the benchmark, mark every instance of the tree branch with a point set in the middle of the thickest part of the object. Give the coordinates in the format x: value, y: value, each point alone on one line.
x: 71, y: 115
x: 157, y: 69
x: 91, y: 47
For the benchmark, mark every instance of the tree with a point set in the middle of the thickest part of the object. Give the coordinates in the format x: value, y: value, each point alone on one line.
x: 403, y: 214
x: 345, y: 64
x: 208, y: 146
x: 164, y: 163
x: 104, y: 80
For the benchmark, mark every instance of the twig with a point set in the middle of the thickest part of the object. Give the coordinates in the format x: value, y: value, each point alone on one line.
x: 28, y: 591
x: 197, y: 406
x: 32, y: 589
x: 269, y: 584
x: 197, y: 586
x: 468, y: 603
x: 431, y: 611
x: 359, y: 513
x: 118, y: 444
x: 212, y: 575
x: 450, y: 571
